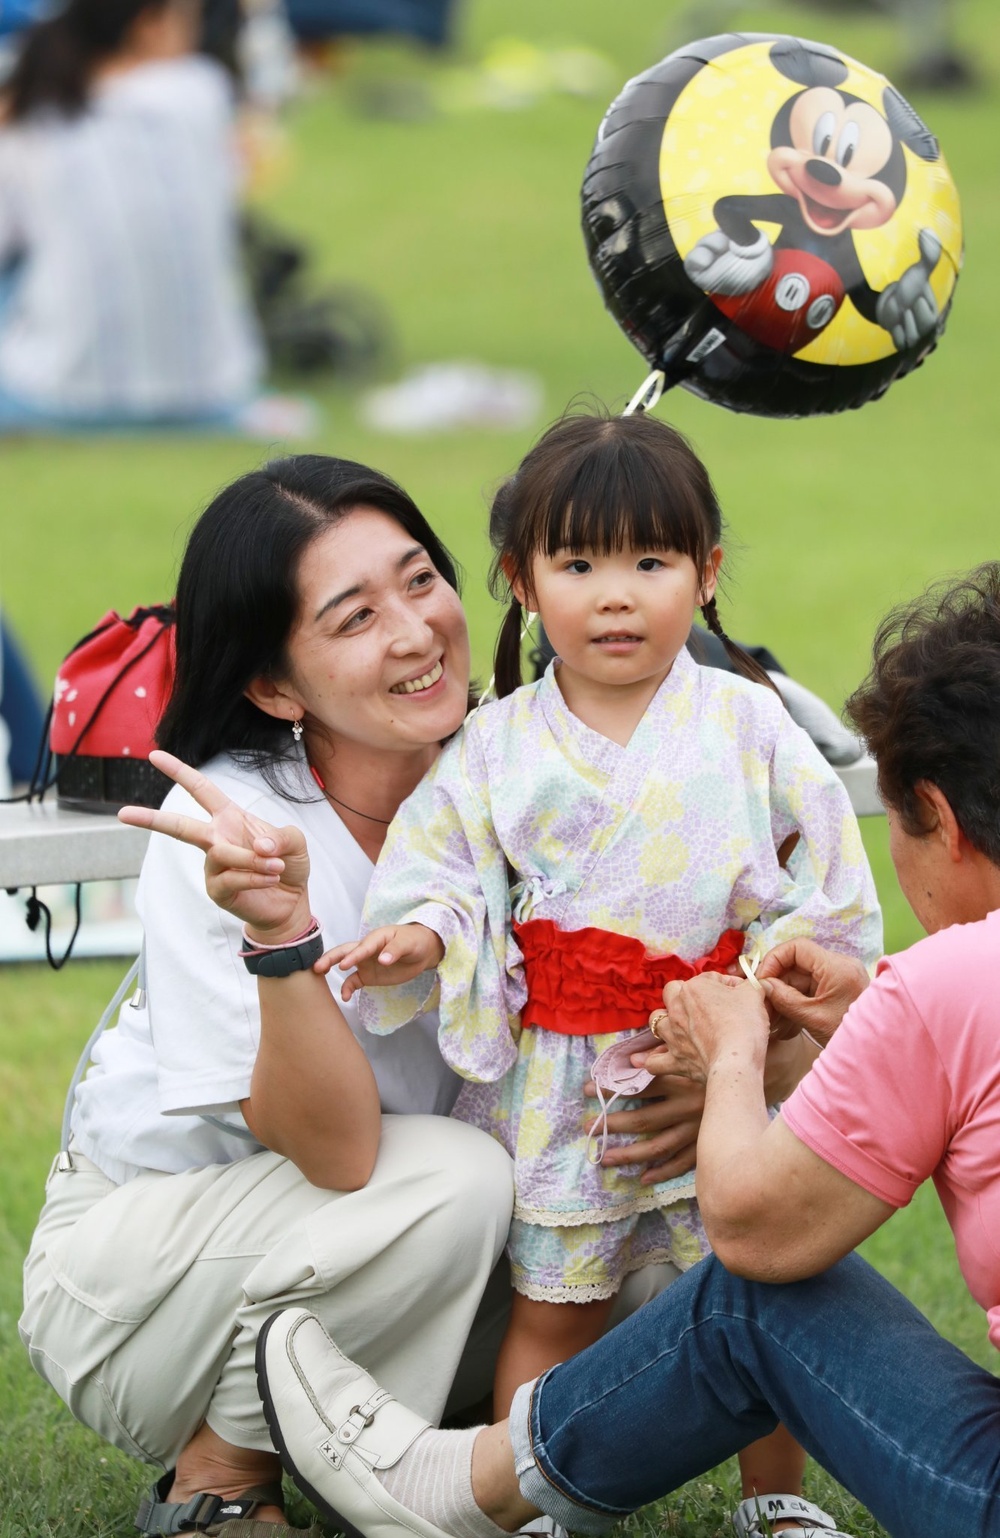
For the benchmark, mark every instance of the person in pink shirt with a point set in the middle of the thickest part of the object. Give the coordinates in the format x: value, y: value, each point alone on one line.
x: 783, y: 1322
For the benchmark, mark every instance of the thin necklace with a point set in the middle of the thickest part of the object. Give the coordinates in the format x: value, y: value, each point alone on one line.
x: 383, y: 821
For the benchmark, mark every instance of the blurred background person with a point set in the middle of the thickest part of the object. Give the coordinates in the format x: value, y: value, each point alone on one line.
x: 122, y: 300
x: 22, y: 714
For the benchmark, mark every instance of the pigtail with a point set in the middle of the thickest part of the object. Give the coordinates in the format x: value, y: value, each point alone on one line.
x: 741, y: 660
x: 507, y: 657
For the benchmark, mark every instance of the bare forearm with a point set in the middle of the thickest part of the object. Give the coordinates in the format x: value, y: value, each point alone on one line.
x: 730, y: 1192
x: 313, y: 1095
x: 774, y: 1211
x: 786, y: 1065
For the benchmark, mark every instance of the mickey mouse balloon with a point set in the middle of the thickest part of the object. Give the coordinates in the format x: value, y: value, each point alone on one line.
x: 772, y: 225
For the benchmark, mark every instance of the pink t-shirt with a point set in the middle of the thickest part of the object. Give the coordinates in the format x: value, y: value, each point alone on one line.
x: 909, y: 1088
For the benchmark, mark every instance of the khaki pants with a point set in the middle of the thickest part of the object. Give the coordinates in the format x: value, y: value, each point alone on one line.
x: 143, y: 1301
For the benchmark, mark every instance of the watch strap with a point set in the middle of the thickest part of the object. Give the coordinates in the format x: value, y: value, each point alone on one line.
x: 282, y: 961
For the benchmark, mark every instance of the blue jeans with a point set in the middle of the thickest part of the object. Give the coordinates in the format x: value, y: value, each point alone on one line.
x: 904, y: 1420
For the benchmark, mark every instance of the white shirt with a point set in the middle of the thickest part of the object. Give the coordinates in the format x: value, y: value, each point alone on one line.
x: 129, y: 297
x: 190, y: 1048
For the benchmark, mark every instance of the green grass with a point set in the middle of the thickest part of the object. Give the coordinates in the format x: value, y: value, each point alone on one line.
x: 467, y: 227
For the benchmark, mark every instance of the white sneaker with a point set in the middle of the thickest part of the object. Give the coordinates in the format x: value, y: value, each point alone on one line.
x: 754, y: 1516
x: 334, y: 1427
x: 279, y: 418
x: 542, y: 1527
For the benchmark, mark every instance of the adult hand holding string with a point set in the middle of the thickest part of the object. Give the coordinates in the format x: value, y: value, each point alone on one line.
x: 809, y: 989
x: 708, y: 1019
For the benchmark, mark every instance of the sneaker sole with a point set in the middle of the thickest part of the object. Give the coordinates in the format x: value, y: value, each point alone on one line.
x: 287, y: 1462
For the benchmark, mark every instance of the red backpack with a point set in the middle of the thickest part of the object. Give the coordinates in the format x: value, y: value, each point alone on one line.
x: 109, y: 695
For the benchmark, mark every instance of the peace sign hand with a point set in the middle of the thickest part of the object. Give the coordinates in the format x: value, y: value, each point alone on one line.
x: 252, y: 870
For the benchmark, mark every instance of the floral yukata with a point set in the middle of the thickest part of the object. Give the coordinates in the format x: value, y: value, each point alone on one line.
x: 529, y: 815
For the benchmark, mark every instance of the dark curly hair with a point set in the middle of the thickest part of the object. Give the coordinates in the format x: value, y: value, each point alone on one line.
x: 930, y: 707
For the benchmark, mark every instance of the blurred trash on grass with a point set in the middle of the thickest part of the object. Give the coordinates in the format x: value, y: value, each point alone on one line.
x: 515, y: 73
x: 439, y: 397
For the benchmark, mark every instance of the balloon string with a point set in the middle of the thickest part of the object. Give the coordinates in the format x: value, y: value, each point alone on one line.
x: 648, y: 393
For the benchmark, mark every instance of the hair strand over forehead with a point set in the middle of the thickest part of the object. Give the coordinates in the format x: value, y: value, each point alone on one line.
x: 605, y: 483
x: 599, y: 482
x: 238, y: 596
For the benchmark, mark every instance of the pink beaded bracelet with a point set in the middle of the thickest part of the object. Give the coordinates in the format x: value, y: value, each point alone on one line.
x: 258, y: 948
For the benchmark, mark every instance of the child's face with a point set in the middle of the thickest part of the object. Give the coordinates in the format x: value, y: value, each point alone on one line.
x: 618, y: 619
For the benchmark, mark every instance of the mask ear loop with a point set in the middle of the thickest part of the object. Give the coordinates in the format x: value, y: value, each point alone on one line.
x: 597, y: 1138
x: 749, y: 965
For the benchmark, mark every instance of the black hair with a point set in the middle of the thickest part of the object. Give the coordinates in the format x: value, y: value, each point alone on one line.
x: 928, y: 708
x: 58, y: 55
x: 237, y: 599
x: 596, y: 481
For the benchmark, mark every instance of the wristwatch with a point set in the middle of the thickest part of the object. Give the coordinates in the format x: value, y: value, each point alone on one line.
x: 289, y: 958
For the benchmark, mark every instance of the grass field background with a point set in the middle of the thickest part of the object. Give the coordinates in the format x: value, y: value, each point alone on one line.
x: 467, y: 227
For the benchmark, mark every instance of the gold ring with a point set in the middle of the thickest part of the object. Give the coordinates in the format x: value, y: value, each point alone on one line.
x: 654, y: 1020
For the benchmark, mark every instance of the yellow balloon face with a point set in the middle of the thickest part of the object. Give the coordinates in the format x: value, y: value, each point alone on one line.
x: 717, y: 144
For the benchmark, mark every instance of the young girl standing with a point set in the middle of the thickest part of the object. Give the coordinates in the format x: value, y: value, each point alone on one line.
x: 628, y: 819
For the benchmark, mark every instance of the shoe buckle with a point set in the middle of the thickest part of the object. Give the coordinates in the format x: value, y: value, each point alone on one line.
x: 355, y: 1423
x: 361, y: 1416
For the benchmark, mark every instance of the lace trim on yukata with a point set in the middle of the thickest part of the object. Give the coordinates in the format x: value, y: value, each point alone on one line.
x: 595, y: 1292
x: 650, y: 1200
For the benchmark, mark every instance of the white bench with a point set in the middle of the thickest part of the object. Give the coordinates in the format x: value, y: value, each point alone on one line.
x: 42, y: 844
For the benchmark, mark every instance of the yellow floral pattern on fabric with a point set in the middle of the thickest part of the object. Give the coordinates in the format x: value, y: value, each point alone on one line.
x: 671, y: 839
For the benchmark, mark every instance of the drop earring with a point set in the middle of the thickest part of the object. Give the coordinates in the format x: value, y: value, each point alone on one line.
x: 297, y: 730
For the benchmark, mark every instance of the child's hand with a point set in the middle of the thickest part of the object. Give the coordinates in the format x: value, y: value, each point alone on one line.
x: 395, y: 954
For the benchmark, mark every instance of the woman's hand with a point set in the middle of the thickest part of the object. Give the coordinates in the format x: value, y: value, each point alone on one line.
x: 809, y: 988
x: 394, y: 954
x: 254, y: 871
x: 666, y: 1124
x: 704, y: 1019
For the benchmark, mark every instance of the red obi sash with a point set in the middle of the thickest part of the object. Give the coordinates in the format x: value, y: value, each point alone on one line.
x: 585, y: 982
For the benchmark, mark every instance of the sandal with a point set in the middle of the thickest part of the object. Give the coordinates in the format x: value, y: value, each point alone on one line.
x: 213, y: 1514
x: 754, y: 1517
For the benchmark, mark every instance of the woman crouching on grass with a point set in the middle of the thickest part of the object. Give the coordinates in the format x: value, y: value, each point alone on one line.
x: 234, y: 1142
x: 782, y: 1323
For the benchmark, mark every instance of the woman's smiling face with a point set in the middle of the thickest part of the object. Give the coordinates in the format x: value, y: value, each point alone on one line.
x: 379, y: 655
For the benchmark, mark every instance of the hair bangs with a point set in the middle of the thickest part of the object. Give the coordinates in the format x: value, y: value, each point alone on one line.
x: 615, y: 498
